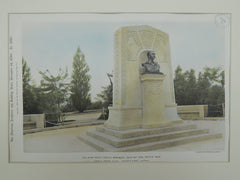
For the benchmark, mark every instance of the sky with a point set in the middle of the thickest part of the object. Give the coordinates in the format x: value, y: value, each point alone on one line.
x: 50, y: 41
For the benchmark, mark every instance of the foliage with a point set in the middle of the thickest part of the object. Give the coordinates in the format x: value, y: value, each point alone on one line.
x: 27, y: 94
x: 215, y: 95
x: 106, y: 97
x: 208, y: 88
x: 68, y: 106
x: 26, y: 75
x: 203, y: 86
x: 31, y: 99
x: 185, y: 86
x: 54, y: 90
x: 80, y: 84
x: 95, y: 105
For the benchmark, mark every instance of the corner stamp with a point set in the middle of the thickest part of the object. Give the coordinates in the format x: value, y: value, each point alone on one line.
x: 222, y: 20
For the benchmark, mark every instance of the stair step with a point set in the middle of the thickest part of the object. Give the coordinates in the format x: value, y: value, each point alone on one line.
x: 149, y: 146
x: 117, y: 142
x: 143, y: 132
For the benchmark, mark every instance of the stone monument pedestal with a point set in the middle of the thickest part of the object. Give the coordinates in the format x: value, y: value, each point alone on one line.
x: 153, y: 106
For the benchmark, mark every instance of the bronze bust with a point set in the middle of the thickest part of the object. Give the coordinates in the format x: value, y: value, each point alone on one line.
x: 151, y: 67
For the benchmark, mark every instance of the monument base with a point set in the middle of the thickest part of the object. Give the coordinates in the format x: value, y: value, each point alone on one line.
x: 172, y: 113
x: 122, y: 118
x: 157, y: 125
x: 110, y: 140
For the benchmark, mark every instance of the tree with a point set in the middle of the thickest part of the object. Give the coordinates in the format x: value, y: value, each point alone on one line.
x: 31, y: 100
x: 190, y: 87
x: 106, y: 96
x: 179, y: 86
x: 222, y: 78
x: 203, y: 86
x: 54, y: 90
x: 185, y: 86
x: 80, y: 84
x: 212, y: 74
x: 208, y: 88
x: 211, y: 86
x: 215, y: 95
x: 98, y: 104
x: 26, y: 76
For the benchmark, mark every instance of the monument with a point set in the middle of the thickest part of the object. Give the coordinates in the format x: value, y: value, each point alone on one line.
x: 144, y: 113
x: 133, y: 45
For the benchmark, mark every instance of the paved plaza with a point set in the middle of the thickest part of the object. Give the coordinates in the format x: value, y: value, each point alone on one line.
x: 66, y: 140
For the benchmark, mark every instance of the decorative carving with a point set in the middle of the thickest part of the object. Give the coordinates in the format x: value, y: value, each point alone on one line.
x: 147, y: 37
x: 133, y: 45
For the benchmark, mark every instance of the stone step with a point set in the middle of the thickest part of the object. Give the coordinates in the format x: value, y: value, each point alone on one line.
x: 143, y: 132
x: 150, y: 146
x: 97, y: 144
x: 117, y: 142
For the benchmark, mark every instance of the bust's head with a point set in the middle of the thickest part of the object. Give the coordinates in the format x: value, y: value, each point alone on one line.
x: 151, y: 55
x: 151, y: 67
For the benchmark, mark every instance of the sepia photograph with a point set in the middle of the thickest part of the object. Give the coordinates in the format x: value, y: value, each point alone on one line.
x: 119, y: 87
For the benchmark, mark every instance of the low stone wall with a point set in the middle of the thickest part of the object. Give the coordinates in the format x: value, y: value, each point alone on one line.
x: 188, y: 112
x: 38, y: 119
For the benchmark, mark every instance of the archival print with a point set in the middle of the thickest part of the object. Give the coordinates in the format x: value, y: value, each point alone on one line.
x: 119, y: 87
